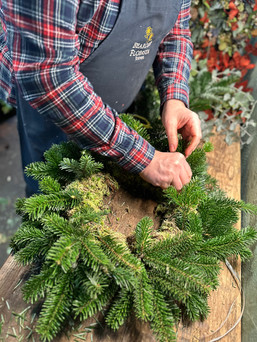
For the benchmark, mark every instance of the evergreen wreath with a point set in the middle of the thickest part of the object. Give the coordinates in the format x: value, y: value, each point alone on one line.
x: 83, y: 266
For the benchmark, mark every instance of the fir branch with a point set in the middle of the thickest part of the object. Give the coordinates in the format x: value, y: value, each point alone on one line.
x: 180, y: 271
x: 55, y: 308
x: 197, y: 162
x: 169, y: 287
x: 119, y: 253
x: 36, y: 205
x: 124, y: 278
x: 72, y: 196
x: 219, y: 214
x: 56, y: 153
x: 193, y: 223
x: 143, y: 234
x: 88, y: 166
x: 57, y: 225
x: 189, y: 197
x: 85, y: 266
x: 196, y: 307
x: 65, y: 252
x: 54, y: 157
x: 19, y: 206
x: 136, y: 125
x: 96, y: 283
x: 143, y: 297
x: 249, y: 235
x: 94, y: 256
x: 248, y: 208
x: 70, y: 165
x: 174, y: 308
x: 163, y: 321
x: 222, y: 247
x: 38, y: 170
x: 82, y: 168
x: 38, y: 284
x: 175, y: 246
x: 28, y: 231
x: 245, y: 253
x: 49, y: 185
x: 80, y: 218
x: 85, y: 307
x: 207, y: 147
x: 209, y: 265
x: 119, y: 309
x: 33, y: 251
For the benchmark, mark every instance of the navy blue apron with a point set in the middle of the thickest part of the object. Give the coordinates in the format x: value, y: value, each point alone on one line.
x: 116, y: 69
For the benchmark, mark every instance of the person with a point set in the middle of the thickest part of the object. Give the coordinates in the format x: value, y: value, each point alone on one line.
x: 71, y: 66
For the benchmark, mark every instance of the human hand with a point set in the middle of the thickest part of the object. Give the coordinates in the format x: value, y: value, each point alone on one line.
x: 167, y: 169
x: 176, y: 118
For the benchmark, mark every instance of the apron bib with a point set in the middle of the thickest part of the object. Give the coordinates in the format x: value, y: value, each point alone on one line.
x: 118, y: 67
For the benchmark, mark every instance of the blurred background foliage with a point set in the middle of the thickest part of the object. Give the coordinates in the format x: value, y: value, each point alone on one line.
x: 221, y: 33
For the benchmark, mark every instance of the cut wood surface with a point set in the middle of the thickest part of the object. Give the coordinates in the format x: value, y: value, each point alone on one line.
x: 225, y: 303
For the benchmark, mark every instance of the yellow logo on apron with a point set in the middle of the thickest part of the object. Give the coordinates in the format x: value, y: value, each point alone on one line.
x: 149, y: 34
x: 140, y: 50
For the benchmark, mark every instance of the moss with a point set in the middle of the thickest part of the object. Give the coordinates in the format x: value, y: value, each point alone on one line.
x: 94, y: 189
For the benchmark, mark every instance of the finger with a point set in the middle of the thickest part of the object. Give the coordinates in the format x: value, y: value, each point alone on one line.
x: 165, y: 186
x: 188, y: 170
x: 184, y: 177
x: 172, y: 135
x: 185, y: 166
x: 192, y: 146
x: 196, y: 135
x: 176, y: 182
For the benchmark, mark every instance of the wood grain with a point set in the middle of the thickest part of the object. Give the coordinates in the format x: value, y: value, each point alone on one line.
x: 224, y: 165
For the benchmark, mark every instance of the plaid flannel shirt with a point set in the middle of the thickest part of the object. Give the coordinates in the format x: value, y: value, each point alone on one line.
x: 41, y: 47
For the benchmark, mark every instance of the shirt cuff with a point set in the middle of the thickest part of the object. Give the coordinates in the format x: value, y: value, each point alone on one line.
x: 175, y: 91
x: 139, y: 157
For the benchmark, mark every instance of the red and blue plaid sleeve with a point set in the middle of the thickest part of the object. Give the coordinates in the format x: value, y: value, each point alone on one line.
x: 173, y: 61
x: 45, y: 54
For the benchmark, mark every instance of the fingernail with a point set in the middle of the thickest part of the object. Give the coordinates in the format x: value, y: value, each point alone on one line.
x: 172, y: 148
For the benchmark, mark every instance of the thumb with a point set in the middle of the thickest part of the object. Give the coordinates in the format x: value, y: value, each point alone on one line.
x: 172, y: 135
